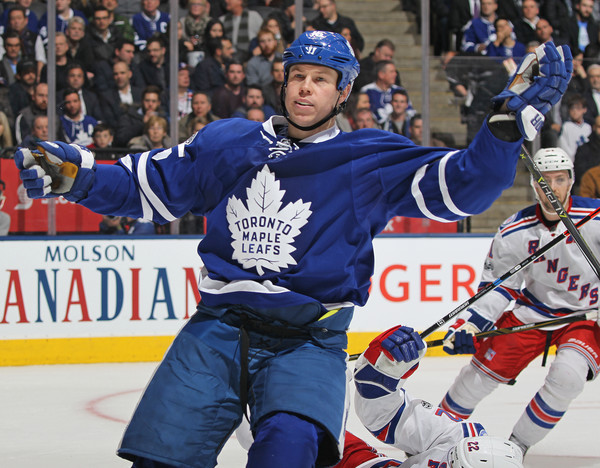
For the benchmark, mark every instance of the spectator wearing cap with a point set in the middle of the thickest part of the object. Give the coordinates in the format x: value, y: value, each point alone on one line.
x: 12, y: 56
x: 149, y: 22
x: 21, y: 91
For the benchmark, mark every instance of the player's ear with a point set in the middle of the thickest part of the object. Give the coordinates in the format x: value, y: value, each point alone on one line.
x: 345, y: 93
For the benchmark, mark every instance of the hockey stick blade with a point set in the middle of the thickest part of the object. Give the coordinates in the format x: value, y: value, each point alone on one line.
x: 528, y: 326
x: 560, y: 211
x: 532, y: 258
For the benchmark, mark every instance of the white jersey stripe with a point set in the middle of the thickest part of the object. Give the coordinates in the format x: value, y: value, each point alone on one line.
x: 444, y: 186
x: 418, y: 196
x: 150, y: 195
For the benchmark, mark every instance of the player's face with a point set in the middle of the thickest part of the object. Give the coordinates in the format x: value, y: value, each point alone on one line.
x: 560, y: 183
x: 310, y: 96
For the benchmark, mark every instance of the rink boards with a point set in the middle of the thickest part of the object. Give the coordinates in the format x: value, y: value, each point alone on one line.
x: 118, y: 299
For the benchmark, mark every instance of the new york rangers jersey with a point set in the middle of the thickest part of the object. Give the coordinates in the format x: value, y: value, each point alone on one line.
x: 410, y: 424
x: 558, y: 283
x: 292, y: 222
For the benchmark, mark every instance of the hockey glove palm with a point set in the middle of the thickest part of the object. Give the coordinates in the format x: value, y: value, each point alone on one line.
x: 539, y: 82
x: 56, y: 169
x: 460, y: 338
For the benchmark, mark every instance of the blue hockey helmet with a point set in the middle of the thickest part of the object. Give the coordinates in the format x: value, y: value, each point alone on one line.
x: 323, y: 48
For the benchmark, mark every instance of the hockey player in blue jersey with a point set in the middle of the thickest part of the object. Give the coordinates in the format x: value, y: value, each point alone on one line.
x: 292, y: 206
x: 559, y: 283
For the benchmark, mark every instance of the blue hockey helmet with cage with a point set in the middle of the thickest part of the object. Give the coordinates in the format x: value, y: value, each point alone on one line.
x: 323, y: 48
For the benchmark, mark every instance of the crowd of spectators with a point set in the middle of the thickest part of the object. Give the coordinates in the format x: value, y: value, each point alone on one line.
x: 480, y: 43
x: 112, y: 67
x: 112, y: 70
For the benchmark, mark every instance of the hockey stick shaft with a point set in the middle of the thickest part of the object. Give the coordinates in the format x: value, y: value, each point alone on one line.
x: 532, y: 258
x: 528, y: 326
x: 560, y: 211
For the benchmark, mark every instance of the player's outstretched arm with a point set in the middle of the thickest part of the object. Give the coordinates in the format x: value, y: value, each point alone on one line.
x: 538, y: 84
x: 56, y: 169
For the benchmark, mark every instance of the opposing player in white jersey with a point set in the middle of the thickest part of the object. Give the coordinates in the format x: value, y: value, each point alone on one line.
x: 292, y: 206
x: 559, y: 283
x: 434, y: 437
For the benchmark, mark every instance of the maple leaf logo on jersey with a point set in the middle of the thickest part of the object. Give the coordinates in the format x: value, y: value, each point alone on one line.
x: 262, y: 234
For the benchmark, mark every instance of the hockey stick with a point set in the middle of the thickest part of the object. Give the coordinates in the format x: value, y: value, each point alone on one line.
x: 593, y: 315
x: 560, y: 211
x: 532, y: 258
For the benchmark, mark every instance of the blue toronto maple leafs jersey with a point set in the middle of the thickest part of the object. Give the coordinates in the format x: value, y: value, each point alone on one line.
x: 292, y: 223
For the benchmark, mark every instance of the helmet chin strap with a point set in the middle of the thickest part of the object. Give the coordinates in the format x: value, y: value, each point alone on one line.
x: 335, y: 111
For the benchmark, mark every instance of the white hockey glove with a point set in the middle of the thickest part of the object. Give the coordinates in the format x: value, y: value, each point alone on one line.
x: 392, y: 356
x: 460, y: 337
x: 56, y: 169
x: 539, y: 82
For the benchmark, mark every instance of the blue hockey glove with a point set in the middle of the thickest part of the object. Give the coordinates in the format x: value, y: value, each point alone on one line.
x: 56, y: 169
x: 538, y: 84
x: 460, y: 338
x: 390, y: 357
